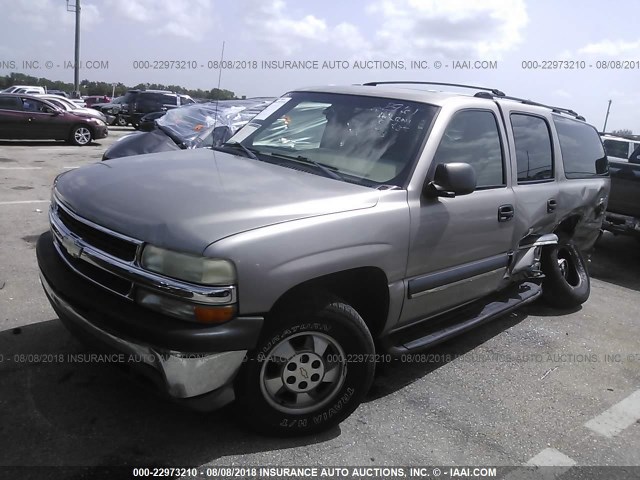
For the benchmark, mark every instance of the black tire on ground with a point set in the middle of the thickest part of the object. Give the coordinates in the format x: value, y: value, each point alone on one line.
x: 81, y: 135
x: 311, y: 369
x: 566, y: 283
x: 120, y: 121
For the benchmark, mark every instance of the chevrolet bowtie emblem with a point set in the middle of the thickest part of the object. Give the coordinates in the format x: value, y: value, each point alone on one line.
x: 72, y: 247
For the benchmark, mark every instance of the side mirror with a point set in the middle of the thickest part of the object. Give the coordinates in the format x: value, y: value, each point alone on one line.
x: 451, y: 179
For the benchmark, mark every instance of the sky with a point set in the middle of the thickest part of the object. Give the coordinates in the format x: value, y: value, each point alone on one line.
x: 124, y: 39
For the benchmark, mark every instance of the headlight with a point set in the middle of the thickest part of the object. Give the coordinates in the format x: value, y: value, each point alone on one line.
x: 190, y: 268
x: 98, y: 121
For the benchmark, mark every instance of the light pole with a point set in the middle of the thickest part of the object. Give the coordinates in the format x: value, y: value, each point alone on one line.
x: 76, y: 62
x: 604, y: 129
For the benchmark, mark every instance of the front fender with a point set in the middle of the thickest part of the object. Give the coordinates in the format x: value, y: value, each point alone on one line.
x: 273, y: 259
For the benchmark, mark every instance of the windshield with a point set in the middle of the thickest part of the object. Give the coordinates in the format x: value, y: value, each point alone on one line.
x: 58, y: 103
x: 209, y: 124
x: 118, y: 100
x: 367, y: 140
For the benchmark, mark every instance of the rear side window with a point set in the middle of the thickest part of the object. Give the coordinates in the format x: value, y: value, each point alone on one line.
x: 582, y: 151
x: 616, y: 148
x: 9, y: 103
x: 169, y: 99
x: 472, y: 137
x: 533, y: 148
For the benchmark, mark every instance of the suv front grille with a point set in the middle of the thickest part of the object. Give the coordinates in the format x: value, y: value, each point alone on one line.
x: 97, y: 275
x: 106, y: 242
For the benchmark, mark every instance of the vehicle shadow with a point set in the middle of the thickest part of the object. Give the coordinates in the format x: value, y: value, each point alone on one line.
x: 57, y: 409
x: 616, y: 259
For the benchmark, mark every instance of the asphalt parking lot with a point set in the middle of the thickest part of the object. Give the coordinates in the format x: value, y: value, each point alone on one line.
x: 536, y: 386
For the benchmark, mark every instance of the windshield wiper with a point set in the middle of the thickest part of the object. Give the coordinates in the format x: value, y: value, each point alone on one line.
x: 236, y: 145
x: 328, y: 171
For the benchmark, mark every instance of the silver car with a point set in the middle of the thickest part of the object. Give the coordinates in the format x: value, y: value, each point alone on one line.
x: 340, y: 227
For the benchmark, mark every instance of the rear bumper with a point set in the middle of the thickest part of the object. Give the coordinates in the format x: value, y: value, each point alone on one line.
x: 191, y: 363
x: 621, y: 224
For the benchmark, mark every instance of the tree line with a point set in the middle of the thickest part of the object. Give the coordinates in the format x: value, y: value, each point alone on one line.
x: 103, y: 88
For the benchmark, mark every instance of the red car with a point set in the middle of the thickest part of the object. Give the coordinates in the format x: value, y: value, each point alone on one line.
x: 27, y: 117
x: 88, y: 101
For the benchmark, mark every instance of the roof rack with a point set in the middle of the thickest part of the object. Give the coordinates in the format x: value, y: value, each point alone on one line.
x: 537, y: 104
x: 494, y: 91
x: 486, y: 92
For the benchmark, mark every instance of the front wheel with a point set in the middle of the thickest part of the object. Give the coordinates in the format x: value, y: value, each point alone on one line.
x: 80, y: 135
x: 120, y: 121
x: 566, y: 283
x: 310, y: 371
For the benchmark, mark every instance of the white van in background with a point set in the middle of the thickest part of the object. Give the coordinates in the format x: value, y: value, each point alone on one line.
x: 26, y: 89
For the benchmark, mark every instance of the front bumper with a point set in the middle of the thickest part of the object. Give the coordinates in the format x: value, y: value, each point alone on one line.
x: 100, y: 131
x: 187, y: 361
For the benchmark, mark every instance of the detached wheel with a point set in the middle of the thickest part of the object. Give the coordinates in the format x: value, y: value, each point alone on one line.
x: 120, y: 121
x: 310, y: 371
x: 80, y: 135
x: 566, y: 283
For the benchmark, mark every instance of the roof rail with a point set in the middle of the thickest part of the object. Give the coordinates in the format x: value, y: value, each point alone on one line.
x: 486, y: 92
x: 494, y: 91
x: 538, y: 104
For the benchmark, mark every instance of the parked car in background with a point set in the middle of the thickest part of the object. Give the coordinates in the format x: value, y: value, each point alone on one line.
x: 113, y: 109
x: 92, y: 99
x: 78, y: 101
x: 118, y: 107
x: 59, y: 93
x: 341, y: 225
x: 23, y: 88
x: 29, y: 117
x: 623, y: 211
x: 68, y: 105
x: 196, y: 125
x: 151, y: 101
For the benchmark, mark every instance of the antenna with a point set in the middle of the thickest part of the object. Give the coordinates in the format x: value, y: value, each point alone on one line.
x: 215, y: 120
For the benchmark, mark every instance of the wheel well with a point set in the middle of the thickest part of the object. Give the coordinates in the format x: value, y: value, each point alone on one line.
x: 365, y: 289
x: 567, y: 227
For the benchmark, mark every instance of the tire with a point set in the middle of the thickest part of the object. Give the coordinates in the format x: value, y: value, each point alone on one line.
x: 566, y: 283
x: 310, y: 370
x: 81, y: 135
x: 120, y: 121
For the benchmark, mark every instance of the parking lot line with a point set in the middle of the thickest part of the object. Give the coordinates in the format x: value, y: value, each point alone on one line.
x: 20, y: 168
x: 550, y: 457
x: 21, y: 202
x: 553, y: 464
x: 620, y: 416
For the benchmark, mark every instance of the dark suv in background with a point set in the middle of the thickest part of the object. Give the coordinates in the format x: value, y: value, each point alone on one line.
x: 135, y: 104
x: 151, y: 101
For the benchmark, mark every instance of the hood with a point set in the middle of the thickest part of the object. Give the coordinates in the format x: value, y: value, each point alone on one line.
x: 187, y: 199
x: 139, y: 143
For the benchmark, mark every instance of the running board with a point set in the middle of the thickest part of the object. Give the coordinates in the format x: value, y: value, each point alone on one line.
x: 435, y: 330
